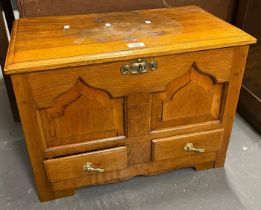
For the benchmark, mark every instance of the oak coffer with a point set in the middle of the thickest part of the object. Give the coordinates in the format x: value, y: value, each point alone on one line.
x: 106, y: 97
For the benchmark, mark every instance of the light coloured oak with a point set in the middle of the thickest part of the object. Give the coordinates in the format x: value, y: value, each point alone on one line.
x: 232, y: 95
x: 84, y: 103
x: 76, y: 106
x: 34, y: 140
x: 108, y: 78
x: 146, y: 169
x: 43, y: 43
x: 173, y: 147
x: 70, y: 118
x: 191, y: 98
x: 71, y: 167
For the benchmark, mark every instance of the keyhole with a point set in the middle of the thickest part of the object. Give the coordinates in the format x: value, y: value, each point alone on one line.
x: 140, y: 67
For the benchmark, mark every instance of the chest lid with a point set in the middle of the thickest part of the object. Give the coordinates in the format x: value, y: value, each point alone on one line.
x: 54, y: 42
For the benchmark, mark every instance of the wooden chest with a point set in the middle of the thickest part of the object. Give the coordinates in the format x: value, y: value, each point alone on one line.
x: 106, y: 97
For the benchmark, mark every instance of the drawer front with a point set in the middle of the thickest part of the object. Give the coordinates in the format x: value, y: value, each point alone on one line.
x: 174, y: 147
x: 86, y: 164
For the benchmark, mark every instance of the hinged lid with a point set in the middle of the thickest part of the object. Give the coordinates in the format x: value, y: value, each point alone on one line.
x: 54, y: 42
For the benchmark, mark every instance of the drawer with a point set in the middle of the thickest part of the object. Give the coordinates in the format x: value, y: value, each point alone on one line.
x: 86, y: 164
x: 174, y: 147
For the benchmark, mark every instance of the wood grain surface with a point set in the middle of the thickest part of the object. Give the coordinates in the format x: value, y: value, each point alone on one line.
x: 72, y: 167
x: 77, y: 106
x: 88, y: 40
x: 173, y: 147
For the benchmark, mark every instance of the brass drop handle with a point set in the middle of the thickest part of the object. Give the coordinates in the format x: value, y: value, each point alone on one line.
x: 139, y: 66
x: 89, y: 168
x: 190, y: 147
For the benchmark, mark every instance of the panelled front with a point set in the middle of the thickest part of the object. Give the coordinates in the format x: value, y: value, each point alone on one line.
x: 99, y: 106
x: 90, y: 103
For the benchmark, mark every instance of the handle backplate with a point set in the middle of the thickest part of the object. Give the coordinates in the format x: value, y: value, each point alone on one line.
x: 88, y: 167
x: 190, y: 147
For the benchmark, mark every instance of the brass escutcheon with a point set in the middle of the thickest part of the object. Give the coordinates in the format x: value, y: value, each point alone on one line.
x: 140, y: 66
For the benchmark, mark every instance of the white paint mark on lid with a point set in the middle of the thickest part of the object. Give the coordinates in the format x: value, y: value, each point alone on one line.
x: 108, y: 24
x: 136, y: 44
x: 66, y: 26
x: 245, y: 148
x: 148, y: 22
